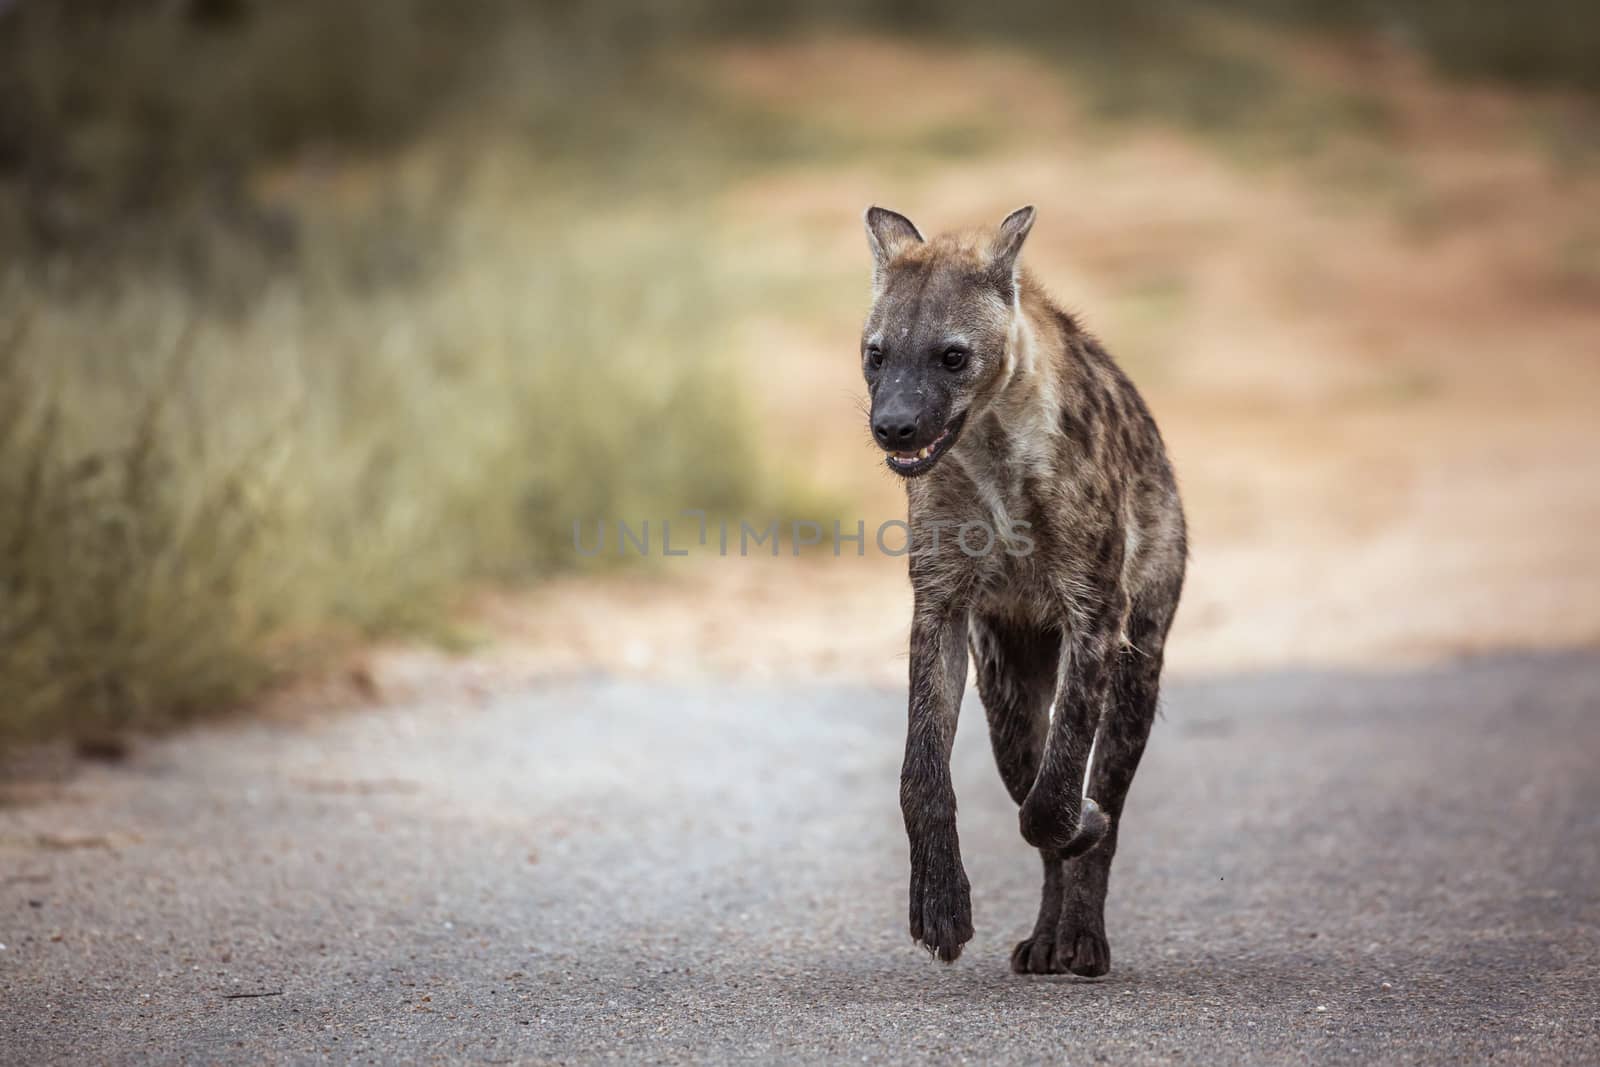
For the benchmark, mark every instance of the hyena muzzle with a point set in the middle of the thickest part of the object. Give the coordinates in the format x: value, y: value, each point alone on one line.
x: 1004, y: 417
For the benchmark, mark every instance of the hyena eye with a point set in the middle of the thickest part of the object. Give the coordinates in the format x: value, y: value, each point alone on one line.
x: 875, y: 355
x: 954, y: 358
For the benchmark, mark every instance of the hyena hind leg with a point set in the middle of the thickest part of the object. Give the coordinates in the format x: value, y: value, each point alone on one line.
x: 1017, y: 667
x: 1016, y: 671
x: 1080, y: 940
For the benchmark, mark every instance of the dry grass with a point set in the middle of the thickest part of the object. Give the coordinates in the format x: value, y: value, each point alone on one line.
x: 194, y: 501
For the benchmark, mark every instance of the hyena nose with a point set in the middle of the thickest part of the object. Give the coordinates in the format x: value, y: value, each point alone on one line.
x: 892, y: 430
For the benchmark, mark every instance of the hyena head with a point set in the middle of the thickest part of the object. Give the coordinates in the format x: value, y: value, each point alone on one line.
x: 937, y: 343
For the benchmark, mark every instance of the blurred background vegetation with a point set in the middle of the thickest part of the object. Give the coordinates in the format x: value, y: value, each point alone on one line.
x: 313, y: 310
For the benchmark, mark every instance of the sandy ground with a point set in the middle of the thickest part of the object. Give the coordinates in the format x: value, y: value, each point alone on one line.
x: 1376, y: 366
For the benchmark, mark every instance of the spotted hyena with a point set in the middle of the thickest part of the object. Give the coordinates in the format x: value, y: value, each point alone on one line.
x: 998, y: 409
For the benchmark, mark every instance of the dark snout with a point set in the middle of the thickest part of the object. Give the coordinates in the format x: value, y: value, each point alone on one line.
x: 900, y: 423
x: 911, y: 424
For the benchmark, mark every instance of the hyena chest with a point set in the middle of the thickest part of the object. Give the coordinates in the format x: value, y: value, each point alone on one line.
x: 983, y: 537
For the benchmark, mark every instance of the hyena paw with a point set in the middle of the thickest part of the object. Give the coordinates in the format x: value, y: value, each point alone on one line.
x: 1065, y: 949
x: 1035, y: 955
x: 941, y: 909
x: 1081, y: 951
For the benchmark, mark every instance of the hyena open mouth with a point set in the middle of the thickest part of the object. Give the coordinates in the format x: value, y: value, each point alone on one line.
x: 911, y: 464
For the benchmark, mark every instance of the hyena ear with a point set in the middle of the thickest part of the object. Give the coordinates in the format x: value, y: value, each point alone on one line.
x: 889, y: 233
x: 1008, y: 243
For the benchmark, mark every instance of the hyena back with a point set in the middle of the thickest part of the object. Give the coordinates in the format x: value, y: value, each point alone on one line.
x: 1002, y: 415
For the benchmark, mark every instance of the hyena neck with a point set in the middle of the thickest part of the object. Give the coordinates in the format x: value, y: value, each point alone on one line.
x: 1018, y: 423
x: 1040, y: 335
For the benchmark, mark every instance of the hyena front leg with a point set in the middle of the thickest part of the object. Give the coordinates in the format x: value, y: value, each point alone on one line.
x: 1081, y: 945
x: 941, y: 903
x: 1056, y: 815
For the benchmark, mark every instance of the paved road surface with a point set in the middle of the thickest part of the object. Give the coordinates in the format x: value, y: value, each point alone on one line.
x: 1395, y: 868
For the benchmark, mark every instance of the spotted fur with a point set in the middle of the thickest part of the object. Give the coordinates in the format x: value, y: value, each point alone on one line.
x: 1050, y: 438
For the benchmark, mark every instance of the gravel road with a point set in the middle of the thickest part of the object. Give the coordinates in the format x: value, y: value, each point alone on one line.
x: 1397, y: 868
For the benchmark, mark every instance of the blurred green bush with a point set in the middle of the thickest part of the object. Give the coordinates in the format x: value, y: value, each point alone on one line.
x: 113, y: 111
